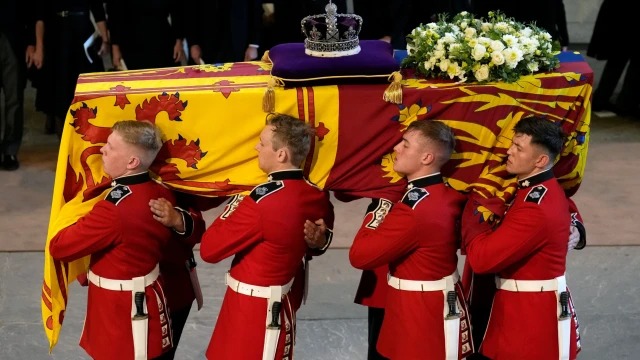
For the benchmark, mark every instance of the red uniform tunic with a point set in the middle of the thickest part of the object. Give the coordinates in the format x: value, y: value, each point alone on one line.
x: 530, y: 243
x: 418, y: 238
x: 265, y: 231
x: 124, y: 242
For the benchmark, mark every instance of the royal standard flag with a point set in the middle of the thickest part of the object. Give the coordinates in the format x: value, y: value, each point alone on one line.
x: 211, y: 117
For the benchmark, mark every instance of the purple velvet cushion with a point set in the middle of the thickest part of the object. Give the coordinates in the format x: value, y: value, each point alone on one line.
x: 374, y: 63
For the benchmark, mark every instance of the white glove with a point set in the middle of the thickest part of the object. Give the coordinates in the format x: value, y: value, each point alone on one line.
x: 574, y: 237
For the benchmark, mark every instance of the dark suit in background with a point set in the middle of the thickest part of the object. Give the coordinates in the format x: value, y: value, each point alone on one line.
x: 142, y: 30
x: 222, y: 28
x: 17, y: 26
x: 609, y: 41
x: 67, y: 26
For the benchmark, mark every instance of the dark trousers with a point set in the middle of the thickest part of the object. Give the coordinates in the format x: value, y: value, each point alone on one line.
x: 611, y: 74
x: 178, y: 320
x: 629, y: 98
x: 12, y: 82
x: 375, y: 318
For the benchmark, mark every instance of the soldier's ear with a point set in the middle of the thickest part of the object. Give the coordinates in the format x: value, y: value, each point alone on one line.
x: 134, y: 162
x: 427, y: 157
x: 283, y: 154
x: 543, y: 161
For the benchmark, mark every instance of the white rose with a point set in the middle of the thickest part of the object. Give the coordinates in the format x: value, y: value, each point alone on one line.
x: 532, y: 66
x: 496, y: 45
x: 497, y: 58
x: 470, y: 32
x: 478, y: 52
x: 482, y: 73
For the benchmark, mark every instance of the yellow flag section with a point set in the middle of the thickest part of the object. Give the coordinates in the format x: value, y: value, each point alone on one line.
x: 211, y: 121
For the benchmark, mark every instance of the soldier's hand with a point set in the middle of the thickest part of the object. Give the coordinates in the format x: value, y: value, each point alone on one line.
x: 314, y: 233
x: 165, y: 214
x: 574, y: 237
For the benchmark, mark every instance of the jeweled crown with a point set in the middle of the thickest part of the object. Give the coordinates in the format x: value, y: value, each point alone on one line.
x: 331, y: 34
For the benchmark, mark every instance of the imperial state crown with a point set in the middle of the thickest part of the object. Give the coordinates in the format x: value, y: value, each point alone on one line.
x: 331, y: 34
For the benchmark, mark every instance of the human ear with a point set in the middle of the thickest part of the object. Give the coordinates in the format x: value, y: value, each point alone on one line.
x: 134, y: 162
x: 282, y: 155
x: 428, y: 158
x: 542, y: 161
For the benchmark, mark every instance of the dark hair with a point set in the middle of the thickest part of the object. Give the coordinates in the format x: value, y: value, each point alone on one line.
x: 438, y: 133
x: 293, y: 133
x: 543, y: 133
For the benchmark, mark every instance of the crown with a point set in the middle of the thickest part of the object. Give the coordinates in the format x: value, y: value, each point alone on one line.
x: 331, y: 34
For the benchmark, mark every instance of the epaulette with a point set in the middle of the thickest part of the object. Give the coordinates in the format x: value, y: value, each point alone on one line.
x: 118, y: 193
x: 414, y: 196
x: 379, y: 208
x: 232, y: 205
x: 263, y: 190
x: 536, y: 194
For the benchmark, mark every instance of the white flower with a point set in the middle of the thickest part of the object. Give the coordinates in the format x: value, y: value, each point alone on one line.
x: 482, y: 73
x: 510, y: 40
x: 512, y: 56
x: 496, y: 45
x: 497, y: 58
x: 502, y: 27
x: 478, y: 52
x: 470, y: 32
x: 470, y: 49
x: 444, y: 65
x: 453, y: 70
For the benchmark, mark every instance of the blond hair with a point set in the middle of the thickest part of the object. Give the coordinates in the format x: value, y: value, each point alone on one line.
x: 143, y: 135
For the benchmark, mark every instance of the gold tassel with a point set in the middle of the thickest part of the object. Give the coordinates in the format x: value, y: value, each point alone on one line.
x: 265, y: 57
x: 393, y: 93
x: 269, y: 97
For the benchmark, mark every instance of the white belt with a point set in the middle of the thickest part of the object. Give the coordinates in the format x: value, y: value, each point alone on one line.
x: 121, y: 285
x: 416, y: 285
x: 558, y: 284
x: 253, y: 290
